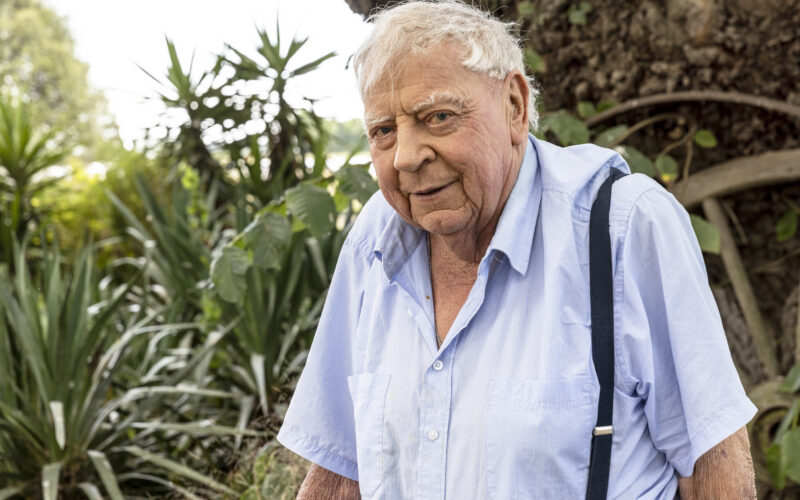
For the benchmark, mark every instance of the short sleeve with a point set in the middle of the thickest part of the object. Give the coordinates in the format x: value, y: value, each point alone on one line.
x: 319, y: 423
x: 670, y: 336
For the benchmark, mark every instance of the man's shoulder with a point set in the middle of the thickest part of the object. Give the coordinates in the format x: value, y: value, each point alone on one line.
x: 577, y: 172
x: 374, y: 218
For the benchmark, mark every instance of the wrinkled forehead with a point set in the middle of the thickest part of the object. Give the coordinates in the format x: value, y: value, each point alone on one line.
x: 389, y: 64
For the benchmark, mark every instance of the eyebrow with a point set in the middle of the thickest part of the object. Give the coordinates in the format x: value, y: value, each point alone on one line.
x: 370, y: 120
x: 435, y: 99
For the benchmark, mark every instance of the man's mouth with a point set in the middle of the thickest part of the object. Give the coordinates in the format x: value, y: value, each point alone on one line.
x: 431, y: 191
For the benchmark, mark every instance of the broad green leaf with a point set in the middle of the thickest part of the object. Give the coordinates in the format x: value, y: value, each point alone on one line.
x: 57, y: 411
x: 608, y: 137
x: 776, y: 465
x: 667, y: 168
x: 228, y: 273
x: 705, y: 138
x: 103, y: 467
x: 707, y: 234
x: 568, y: 129
x: 791, y: 383
x: 313, y: 206
x: 534, y: 61
x: 356, y: 183
x: 268, y: 237
x: 586, y: 109
x: 790, y: 449
x: 638, y: 162
x: 341, y: 200
x: 50, y: 479
x: 178, y: 469
x: 787, y: 225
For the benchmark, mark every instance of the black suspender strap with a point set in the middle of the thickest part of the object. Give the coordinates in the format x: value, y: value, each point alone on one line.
x: 602, y: 304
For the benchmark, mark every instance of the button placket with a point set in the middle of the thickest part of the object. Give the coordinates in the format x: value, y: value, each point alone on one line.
x: 434, y: 421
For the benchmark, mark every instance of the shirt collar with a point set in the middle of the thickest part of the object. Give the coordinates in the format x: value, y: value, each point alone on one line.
x: 513, y: 235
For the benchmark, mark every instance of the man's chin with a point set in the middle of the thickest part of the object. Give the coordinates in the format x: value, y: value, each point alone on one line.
x: 443, y: 222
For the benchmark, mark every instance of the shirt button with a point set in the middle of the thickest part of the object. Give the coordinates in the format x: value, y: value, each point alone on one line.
x: 438, y: 365
x: 433, y: 434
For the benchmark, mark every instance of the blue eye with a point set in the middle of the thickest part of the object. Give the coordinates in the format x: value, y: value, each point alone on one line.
x: 439, y: 117
x: 381, y: 131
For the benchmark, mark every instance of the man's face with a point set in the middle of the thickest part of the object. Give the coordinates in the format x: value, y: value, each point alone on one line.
x: 441, y: 142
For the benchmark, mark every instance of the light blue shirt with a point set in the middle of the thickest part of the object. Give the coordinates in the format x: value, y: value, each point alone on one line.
x: 506, y: 407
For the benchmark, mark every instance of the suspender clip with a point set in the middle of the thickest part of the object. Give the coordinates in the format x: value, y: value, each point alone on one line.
x: 602, y: 430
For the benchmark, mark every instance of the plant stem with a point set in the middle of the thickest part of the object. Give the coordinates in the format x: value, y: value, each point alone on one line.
x: 696, y: 95
x: 742, y: 288
x: 642, y: 124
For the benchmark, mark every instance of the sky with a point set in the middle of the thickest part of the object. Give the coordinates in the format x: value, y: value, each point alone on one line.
x: 114, y: 36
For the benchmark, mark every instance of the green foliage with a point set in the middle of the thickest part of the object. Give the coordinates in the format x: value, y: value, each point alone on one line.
x: 667, y: 168
x: 576, y: 14
x: 356, y: 183
x: 535, y: 62
x: 217, y: 257
x: 65, y: 344
x: 705, y: 139
x: 38, y: 64
x: 242, y: 129
x: 609, y: 137
x: 273, y: 473
x: 567, y: 129
x: 783, y: 454
x: 586, y: 109
x: 786, y: 226
x: 707, y: 234
x: 24, y: 153
x: 637, y: 160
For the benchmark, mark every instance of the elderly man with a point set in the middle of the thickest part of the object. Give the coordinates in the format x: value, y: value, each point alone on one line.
x: 454, y: 357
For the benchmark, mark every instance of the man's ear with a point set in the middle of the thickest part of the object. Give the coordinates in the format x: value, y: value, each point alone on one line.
x: 517, y: 95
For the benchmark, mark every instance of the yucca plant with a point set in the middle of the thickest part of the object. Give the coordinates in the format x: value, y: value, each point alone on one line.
x: 74, y: 414
x: 24, y: 153
x: 276, y: 272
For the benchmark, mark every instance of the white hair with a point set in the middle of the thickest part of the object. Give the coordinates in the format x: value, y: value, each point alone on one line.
x: 491, y: 47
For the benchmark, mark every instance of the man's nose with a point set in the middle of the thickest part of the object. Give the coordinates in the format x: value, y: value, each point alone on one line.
x: 412, y: 150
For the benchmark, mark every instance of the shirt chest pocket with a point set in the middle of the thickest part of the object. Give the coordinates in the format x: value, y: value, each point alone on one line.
x: 538, y: 437
x: 368, y: 391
